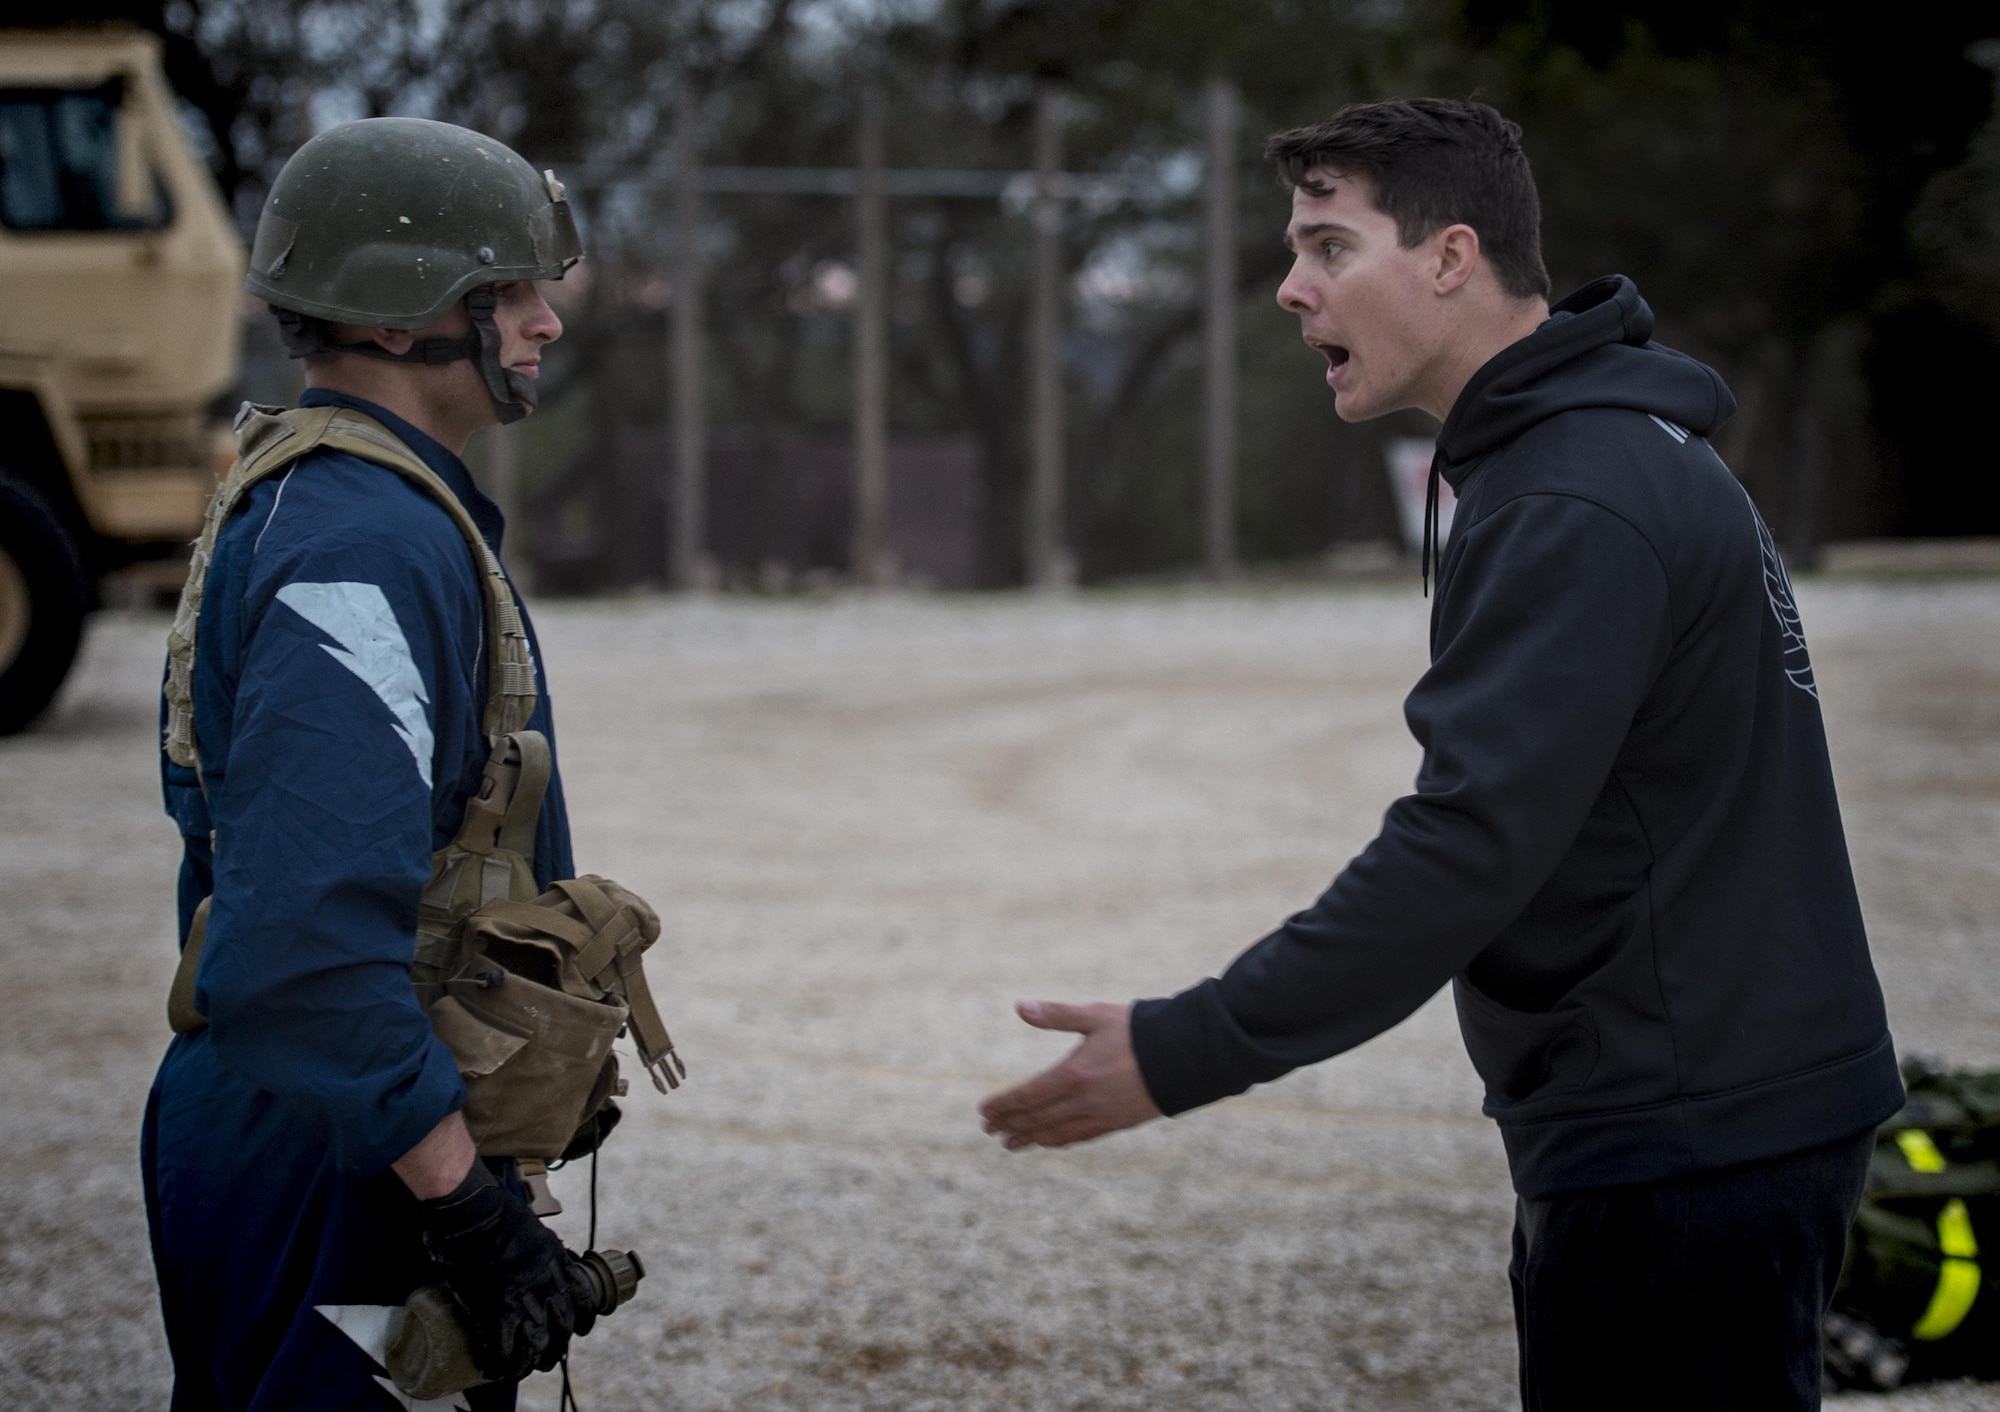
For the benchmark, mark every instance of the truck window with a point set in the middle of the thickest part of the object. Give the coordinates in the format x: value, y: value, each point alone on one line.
x: 72, y: 159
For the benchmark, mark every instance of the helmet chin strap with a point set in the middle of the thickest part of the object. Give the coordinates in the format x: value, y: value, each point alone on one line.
x: 513, y: 394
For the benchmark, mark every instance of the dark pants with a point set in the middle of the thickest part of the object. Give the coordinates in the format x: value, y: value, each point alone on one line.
x: 275, y: 1269
x: 1699, y: 1294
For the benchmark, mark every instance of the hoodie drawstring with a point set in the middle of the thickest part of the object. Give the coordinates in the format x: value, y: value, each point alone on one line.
x: 1431, y: 548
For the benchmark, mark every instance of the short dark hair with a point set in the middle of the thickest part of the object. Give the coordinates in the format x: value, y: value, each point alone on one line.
x: 1431, y: 163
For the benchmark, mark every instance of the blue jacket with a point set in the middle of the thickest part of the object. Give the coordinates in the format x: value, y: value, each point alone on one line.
x: 338, y: 690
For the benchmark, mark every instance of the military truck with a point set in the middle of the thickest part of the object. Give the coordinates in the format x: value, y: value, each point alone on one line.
x: 120, y: 272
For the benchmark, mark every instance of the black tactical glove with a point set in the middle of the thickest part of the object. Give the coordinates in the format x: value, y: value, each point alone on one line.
x: 524, y: 1294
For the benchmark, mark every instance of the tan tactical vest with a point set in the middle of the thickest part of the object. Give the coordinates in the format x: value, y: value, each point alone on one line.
x: 268, y: 439
x: 528, y: 992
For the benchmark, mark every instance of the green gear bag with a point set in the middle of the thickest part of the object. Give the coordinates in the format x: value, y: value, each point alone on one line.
x: 528, y: 991
x: 1920, y: 1294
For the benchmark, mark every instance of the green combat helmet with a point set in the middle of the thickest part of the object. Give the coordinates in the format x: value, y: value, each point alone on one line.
x: 388, y: 222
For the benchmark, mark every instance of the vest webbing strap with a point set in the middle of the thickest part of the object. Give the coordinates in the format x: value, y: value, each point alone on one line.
x: 268, y: 439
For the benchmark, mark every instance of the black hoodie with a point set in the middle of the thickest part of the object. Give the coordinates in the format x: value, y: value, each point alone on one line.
x: 1624, y: 849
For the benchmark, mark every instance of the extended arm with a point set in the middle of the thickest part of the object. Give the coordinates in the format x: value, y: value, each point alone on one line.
x: 1552, y: 624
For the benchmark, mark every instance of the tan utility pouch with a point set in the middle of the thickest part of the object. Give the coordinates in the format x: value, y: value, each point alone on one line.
x: 527, y: 991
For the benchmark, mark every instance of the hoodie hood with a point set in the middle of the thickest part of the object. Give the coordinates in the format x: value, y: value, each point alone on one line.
x: 1595, y: 350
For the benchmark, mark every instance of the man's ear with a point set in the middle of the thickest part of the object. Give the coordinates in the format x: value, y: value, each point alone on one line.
x: 1457, y: 257
x: 393, y: 340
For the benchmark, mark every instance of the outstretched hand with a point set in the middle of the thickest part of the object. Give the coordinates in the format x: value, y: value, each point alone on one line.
x: 1096, y: 1090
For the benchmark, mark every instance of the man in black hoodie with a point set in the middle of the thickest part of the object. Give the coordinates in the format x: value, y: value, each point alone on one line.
x: 1623, y: 850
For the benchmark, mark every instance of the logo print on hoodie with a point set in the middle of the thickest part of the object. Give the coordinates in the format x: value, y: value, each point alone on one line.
x: 1785, y: 608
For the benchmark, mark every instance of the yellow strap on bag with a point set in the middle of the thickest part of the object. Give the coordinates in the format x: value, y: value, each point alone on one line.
x: 1958, y: 1273
x: 1958, y: 1277
x: 1919, y: 1150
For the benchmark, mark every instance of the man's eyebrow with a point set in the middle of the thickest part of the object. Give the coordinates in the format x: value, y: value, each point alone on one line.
x: 1298, y: 235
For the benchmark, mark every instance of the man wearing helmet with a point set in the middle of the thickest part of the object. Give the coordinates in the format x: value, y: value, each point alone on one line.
x: 306, y: 1164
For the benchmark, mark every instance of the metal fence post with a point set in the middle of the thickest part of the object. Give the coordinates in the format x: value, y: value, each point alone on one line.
x: 687, y: 557
x: 1219, y: 331
x: 870, y: 555
x: 1050, y: 564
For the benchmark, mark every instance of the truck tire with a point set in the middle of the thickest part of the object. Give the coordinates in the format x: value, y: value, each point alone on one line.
x: 43, y: 597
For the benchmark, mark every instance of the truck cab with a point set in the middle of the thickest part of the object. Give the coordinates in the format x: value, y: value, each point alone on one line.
x: 120, y: 279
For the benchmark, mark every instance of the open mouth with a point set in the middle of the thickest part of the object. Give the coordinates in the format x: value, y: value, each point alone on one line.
x: 1335, y: 354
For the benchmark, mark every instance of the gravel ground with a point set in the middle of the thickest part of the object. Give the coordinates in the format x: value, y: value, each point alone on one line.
x: 869, y: 825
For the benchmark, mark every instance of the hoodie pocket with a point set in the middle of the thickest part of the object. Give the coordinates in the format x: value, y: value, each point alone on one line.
x: 1524, y: 1054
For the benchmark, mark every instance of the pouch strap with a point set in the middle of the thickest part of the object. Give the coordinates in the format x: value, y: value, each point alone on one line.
x: 486, y: 811
x: 524, y: 807
x: 600, y: 955
x: 611, y: 930
x: 649, y: 1031
x: 507, y: 808
x: 534, y: 917
x: 589, y: 900
x: 496, y: 878
x: 592, y: 951
x: 433, y: 950
x: 623, y: 948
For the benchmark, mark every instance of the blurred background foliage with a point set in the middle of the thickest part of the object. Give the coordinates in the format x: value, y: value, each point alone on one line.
x: 1808, y: 195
